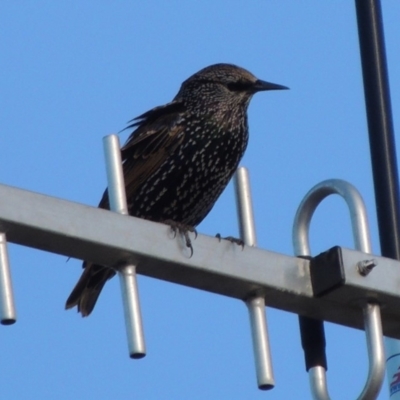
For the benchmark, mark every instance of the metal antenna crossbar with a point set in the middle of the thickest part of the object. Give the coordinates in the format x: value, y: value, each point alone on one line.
x: 256, y: 302
x: 127, y: 271
x: 107, y: 238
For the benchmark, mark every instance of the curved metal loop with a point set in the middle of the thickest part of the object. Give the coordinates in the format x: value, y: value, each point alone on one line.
x: 372, y: 320
x: 313, y: 198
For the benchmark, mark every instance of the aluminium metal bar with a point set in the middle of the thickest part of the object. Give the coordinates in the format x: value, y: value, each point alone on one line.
x: 382, y: 147
x: 108, y: 238
x: 371, y: 310
x: 355, y: 203
x: 317, y: 376
x: 376, y: 353
x: 7, y: 307
x: 244, y: 207
x: 126, y: 272
x: 255, y: 304
x: 317, y: 381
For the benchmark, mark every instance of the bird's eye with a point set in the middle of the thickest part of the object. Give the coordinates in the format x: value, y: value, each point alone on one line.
x: 239, y: 86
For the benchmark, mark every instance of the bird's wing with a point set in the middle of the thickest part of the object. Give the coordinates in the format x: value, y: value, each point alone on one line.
x: 159, y: 132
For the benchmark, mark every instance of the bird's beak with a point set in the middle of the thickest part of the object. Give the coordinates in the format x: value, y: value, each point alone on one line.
x: 260, y: 85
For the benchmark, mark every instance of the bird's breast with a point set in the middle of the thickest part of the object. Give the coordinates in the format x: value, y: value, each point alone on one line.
x: 186, y: 186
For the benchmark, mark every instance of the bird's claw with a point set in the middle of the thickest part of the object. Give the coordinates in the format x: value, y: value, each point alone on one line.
x: 184, y: 230
x: 231, y: 239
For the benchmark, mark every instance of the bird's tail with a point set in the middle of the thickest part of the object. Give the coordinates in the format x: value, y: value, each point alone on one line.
x: 87, y: 290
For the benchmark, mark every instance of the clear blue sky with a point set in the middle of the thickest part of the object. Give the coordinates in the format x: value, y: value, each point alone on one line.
x: 72, y: 72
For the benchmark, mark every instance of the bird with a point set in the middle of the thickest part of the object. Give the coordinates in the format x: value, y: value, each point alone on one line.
x: 180, y: 157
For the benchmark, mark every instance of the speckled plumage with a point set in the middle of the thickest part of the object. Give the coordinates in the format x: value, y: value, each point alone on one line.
x: 180, y: 157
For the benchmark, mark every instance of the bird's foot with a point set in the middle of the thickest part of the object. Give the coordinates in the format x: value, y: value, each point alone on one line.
x: 184, y: 231
x: 231, y: 239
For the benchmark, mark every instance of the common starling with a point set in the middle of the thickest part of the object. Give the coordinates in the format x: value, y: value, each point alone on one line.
x: 180, y: 157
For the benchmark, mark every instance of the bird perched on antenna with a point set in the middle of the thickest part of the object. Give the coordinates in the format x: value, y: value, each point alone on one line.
x: 180, y: 157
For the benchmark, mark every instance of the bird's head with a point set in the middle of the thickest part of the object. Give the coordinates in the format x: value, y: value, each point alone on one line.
x: 224, y: 82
